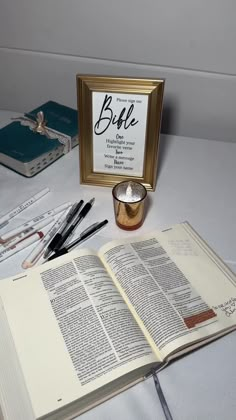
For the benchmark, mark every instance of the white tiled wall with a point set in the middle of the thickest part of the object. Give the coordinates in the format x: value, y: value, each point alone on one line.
x: 44, y: 44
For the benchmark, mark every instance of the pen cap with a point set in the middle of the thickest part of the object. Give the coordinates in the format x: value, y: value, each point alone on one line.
x: 55, y: 240
x: 86, y: 208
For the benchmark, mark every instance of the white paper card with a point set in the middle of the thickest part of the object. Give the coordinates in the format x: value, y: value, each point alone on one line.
x: 119, y: 132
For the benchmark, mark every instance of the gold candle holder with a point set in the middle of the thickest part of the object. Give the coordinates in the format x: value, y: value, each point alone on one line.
x: 129, y: 201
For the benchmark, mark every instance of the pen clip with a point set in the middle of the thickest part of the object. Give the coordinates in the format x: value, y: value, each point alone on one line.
x: 73, y: 211
x: 87, y: 230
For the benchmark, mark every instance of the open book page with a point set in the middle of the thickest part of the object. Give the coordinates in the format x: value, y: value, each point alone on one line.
x: 14, y: 399
x: 72, y: 330
x: 174, y: 288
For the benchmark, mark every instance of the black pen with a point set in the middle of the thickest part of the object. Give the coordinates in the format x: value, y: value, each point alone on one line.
x: 87, y: 233
x: 74, y: 224
x: 161, y: 396
x: 69, y: 218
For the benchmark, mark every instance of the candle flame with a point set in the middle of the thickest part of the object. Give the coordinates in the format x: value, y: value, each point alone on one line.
x: 129, y: 190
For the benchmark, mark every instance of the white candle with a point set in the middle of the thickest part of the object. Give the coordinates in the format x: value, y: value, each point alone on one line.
x: 130, y: 192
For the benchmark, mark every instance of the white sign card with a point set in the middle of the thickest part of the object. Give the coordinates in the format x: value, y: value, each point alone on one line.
x: 119, y: 133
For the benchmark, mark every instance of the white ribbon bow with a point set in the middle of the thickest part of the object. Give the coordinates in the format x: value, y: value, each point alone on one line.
x: 39, y: 126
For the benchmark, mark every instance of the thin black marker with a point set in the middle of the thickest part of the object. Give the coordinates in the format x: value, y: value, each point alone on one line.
x: 69, y: 218
x: 87, y: 233
x: 74, y: 224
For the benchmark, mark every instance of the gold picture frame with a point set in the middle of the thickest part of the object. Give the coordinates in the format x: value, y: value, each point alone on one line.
x: 119, y: 127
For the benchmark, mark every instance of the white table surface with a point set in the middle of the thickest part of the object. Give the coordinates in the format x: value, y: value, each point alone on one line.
x: 196, y: 182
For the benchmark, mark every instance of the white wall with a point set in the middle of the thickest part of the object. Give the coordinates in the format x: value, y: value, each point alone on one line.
x: 44, y: 44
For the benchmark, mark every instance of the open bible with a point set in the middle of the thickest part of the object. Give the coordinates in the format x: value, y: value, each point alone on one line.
x: 83, y: 327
